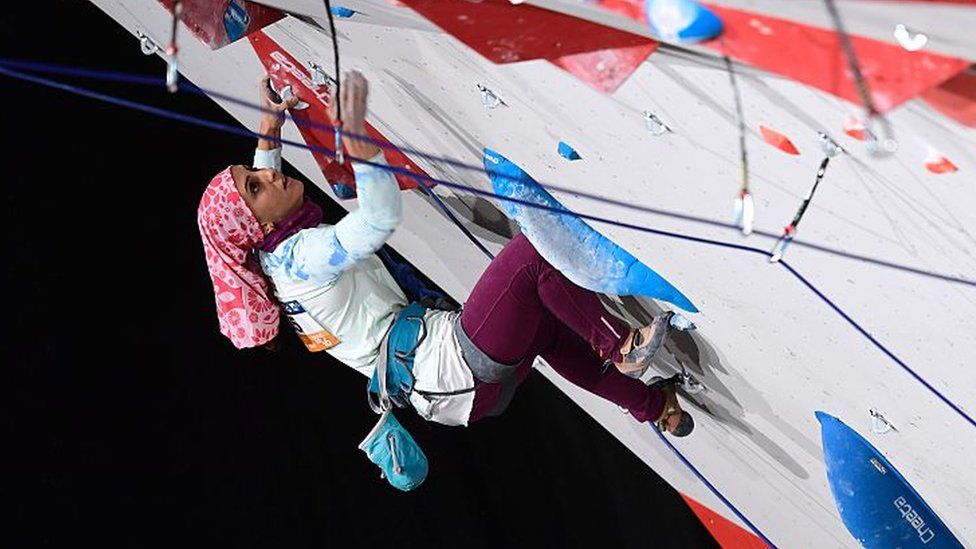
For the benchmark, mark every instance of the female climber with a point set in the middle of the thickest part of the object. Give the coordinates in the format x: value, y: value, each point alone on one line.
x: 260, y: 234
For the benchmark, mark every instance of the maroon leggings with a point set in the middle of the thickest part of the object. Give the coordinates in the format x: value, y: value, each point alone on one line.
x: 522, y: 307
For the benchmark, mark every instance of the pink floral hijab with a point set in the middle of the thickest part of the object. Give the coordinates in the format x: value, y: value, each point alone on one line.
x: 229, y: 230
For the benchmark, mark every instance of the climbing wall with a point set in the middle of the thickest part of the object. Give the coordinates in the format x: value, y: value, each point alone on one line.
x: 870, y: 313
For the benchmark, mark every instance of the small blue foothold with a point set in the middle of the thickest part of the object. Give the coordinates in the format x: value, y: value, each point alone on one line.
x: 343, y: 12
x: 682, y: 21
x: 568, y: 152
x: 343, y: 192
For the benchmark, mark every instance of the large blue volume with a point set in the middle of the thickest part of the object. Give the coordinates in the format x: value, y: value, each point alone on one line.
x: 878, y: 506
x: 583, y: 255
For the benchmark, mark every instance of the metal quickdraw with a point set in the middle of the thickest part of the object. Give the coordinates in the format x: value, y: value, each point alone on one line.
x: 172, y: 63
x: 830, y: 149
x: 790, y: 230
x: 339, y: 155
x: 876, y: 147
x: 744, y: 216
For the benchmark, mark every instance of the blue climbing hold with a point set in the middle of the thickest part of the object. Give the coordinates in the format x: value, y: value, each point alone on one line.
x: 342, y: 191
x: 567, y: 152
x: 585, y: 256
x: 682, y: 21
x: 343, y: 12
x: 878, y: 506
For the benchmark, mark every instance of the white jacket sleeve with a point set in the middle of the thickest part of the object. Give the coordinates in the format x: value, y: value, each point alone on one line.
x: 322, y: 253
x: 364, y: 230
x: 270, y: 158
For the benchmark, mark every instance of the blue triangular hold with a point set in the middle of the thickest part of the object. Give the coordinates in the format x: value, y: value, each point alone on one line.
x: 343, y: 12
x: 567, y: 152
x: 682, y: 21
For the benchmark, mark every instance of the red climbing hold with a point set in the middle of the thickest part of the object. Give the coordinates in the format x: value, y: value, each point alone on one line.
x: 778, y: 140
x: 314, y: 122
x: 855, y: 128
x: 937, y: 163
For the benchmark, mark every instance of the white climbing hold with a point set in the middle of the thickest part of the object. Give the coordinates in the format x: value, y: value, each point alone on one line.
x: 908, y: 40
x: 879, y: 424
x: 691, y: 385
x: 680, y: 322
x: 829, y: 146
x: 286, y: 93
x: 319, y: 76
x: 489, y: 99
x: 146, y: 44
x: 654, y: 124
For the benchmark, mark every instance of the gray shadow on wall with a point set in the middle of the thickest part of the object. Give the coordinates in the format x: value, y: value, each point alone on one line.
x: 486, y: 220
x: 484, y: 215
x: 701, y: 360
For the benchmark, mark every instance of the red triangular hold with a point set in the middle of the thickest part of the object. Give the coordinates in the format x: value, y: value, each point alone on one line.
x: 605, y: 70
x: 778, y: 140
x: 956, y: 98
x: 855, y: 128
x: 939, y: 164
x: 507, y: 33
x: 813, y: 56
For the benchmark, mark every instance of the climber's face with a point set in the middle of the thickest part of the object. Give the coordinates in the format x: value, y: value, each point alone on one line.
x: 270, y: 194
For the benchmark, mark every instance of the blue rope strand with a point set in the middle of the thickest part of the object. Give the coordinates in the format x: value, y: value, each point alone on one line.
x: 712, y: 487
x: 114, y: 76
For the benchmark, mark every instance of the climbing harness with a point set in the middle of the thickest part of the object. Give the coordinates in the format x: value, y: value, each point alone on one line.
x: 744, y: 208
x: 888, y: 144
x: 172, y: 62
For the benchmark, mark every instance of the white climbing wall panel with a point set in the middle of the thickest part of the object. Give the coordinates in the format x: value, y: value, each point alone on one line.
x: 886, y: 241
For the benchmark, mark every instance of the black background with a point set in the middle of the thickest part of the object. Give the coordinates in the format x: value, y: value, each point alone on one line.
x: 134, y: 423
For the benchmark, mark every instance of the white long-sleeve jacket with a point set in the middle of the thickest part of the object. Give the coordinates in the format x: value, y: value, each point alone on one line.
x: 333, y: 274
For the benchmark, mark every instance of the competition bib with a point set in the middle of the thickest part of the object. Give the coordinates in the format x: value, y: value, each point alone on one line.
x: 315, y: 337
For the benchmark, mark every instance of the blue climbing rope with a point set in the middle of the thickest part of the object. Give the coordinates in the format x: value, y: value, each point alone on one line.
x: 145, y: 80
x: 712, y: 487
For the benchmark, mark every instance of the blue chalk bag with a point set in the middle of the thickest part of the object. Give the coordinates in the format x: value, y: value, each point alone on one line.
x: 390, y: 446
